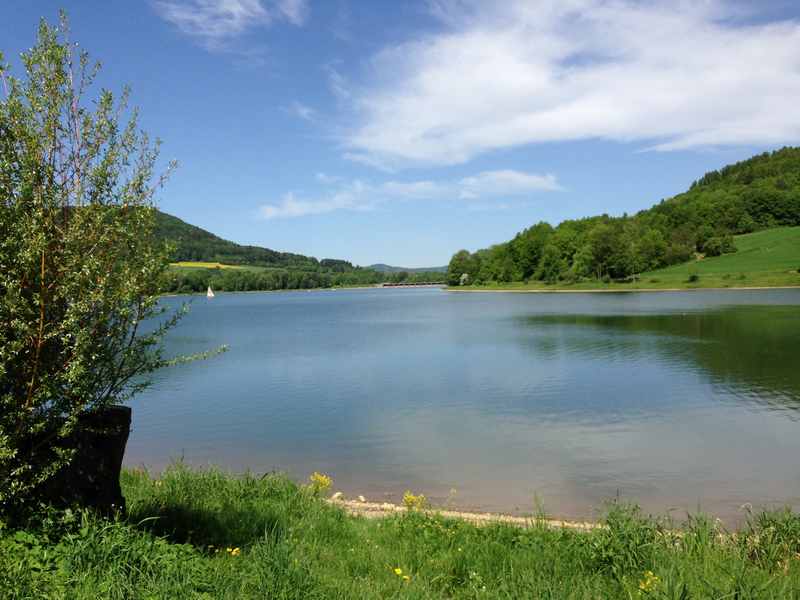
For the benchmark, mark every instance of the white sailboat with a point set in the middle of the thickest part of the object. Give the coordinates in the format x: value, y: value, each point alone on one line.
x: 210, y: 293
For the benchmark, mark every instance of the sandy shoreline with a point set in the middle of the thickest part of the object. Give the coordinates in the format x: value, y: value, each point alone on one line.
x: 379, y: 510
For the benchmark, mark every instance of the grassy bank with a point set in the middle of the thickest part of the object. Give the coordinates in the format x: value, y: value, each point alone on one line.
x: 208, y: 535
x: 768, y: 258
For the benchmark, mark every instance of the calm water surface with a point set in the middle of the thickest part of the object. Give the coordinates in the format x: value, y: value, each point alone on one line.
x: 678, y: 401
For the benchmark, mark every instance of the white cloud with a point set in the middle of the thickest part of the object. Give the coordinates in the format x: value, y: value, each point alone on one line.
x: 290, y: 206
x: 489, y: 187
x: 302, y: 111
x: 670, y: 75
x: 295, y: 11
x: 327, y: 179
x: 216, y: 22
x: 506, y: 183
x: 337, y: 83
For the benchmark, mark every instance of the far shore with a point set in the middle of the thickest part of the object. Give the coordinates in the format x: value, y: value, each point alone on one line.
x: 618, y: 291
x: 318, y: 289
x: 479, y: 290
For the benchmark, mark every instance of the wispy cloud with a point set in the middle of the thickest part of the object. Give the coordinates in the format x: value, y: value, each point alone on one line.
x: 337, y: 83
x: 506, y: 183
x: 302, y: 111
x: 342, y: 23
x: 292, y: 206
x: 487, y: 189
x: 328, y: 179
x: 670, y: 75
x: 215, y: 23
x: 294, y: 11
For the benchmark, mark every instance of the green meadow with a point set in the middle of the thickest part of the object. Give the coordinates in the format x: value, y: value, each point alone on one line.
x: 205, y: 534
x: 769, y: 258
x: 190, y: 266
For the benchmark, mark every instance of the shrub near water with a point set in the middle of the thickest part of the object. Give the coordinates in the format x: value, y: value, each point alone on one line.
x: 209, y: 535
x: 79, y: 264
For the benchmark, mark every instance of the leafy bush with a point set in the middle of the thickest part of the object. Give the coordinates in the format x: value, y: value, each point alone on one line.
x: 719, y: 245
x: 79, y: 266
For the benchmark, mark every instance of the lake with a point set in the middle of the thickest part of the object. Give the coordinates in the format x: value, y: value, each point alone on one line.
x: 493, y: 401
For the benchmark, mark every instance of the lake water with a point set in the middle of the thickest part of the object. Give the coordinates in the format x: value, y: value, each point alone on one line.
x: 677, y: 401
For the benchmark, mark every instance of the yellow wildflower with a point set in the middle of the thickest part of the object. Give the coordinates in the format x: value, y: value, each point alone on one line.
x: 320, y: 482
x: 649, y: 582
x: 236, y: 552
x: 412, y: 501
x: 398, y: 571
x: 406, y: 578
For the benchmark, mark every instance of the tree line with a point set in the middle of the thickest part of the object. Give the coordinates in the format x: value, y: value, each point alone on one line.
x: 193, y: 280
x: 273, y: 270
x: 759, y: 193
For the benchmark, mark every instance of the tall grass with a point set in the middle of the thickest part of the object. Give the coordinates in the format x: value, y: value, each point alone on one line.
x: 204, y: 534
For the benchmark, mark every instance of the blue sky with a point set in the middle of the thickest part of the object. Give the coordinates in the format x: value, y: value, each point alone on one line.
x: 400, y: 132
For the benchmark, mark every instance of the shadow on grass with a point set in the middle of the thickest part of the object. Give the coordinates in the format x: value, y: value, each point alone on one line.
x: 207, y: 528
x: 209, y: 509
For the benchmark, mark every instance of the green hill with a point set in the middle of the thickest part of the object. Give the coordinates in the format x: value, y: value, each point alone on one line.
x: 201, y: 259
x: 769, y: 258
x: 198, y: 245
x: 764, y: 258
x: 761, y: 193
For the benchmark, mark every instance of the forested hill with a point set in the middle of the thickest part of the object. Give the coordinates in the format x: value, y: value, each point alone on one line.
x: 208, y: 260
x: 759, y: 193
x: 195, y: 244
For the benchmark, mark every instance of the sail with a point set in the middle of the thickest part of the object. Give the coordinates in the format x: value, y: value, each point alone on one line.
x: 210, y: 292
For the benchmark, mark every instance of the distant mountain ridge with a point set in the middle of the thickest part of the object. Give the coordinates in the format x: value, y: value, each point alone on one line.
x: 384, y: 268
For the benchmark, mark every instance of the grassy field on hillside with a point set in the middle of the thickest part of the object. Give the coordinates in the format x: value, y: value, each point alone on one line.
x: 198, y: 265
x: 768, y: 258
x: 186, y: 264
x: 205, y: 534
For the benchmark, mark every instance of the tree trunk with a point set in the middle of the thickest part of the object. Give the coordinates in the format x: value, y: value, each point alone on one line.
x: 91, y: 479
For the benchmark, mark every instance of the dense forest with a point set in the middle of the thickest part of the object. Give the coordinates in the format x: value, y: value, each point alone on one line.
x: 758, y: 193
x: 259, y: 268
x: 191, y: 280
x: 192, y: 243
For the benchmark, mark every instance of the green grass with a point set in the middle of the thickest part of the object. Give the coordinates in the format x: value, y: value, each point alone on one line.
x: 768, y: 258
x: 291, y: 544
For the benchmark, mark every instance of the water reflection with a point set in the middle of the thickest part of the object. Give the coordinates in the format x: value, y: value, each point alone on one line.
x: 750, y: 352
x: 672, y: 400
